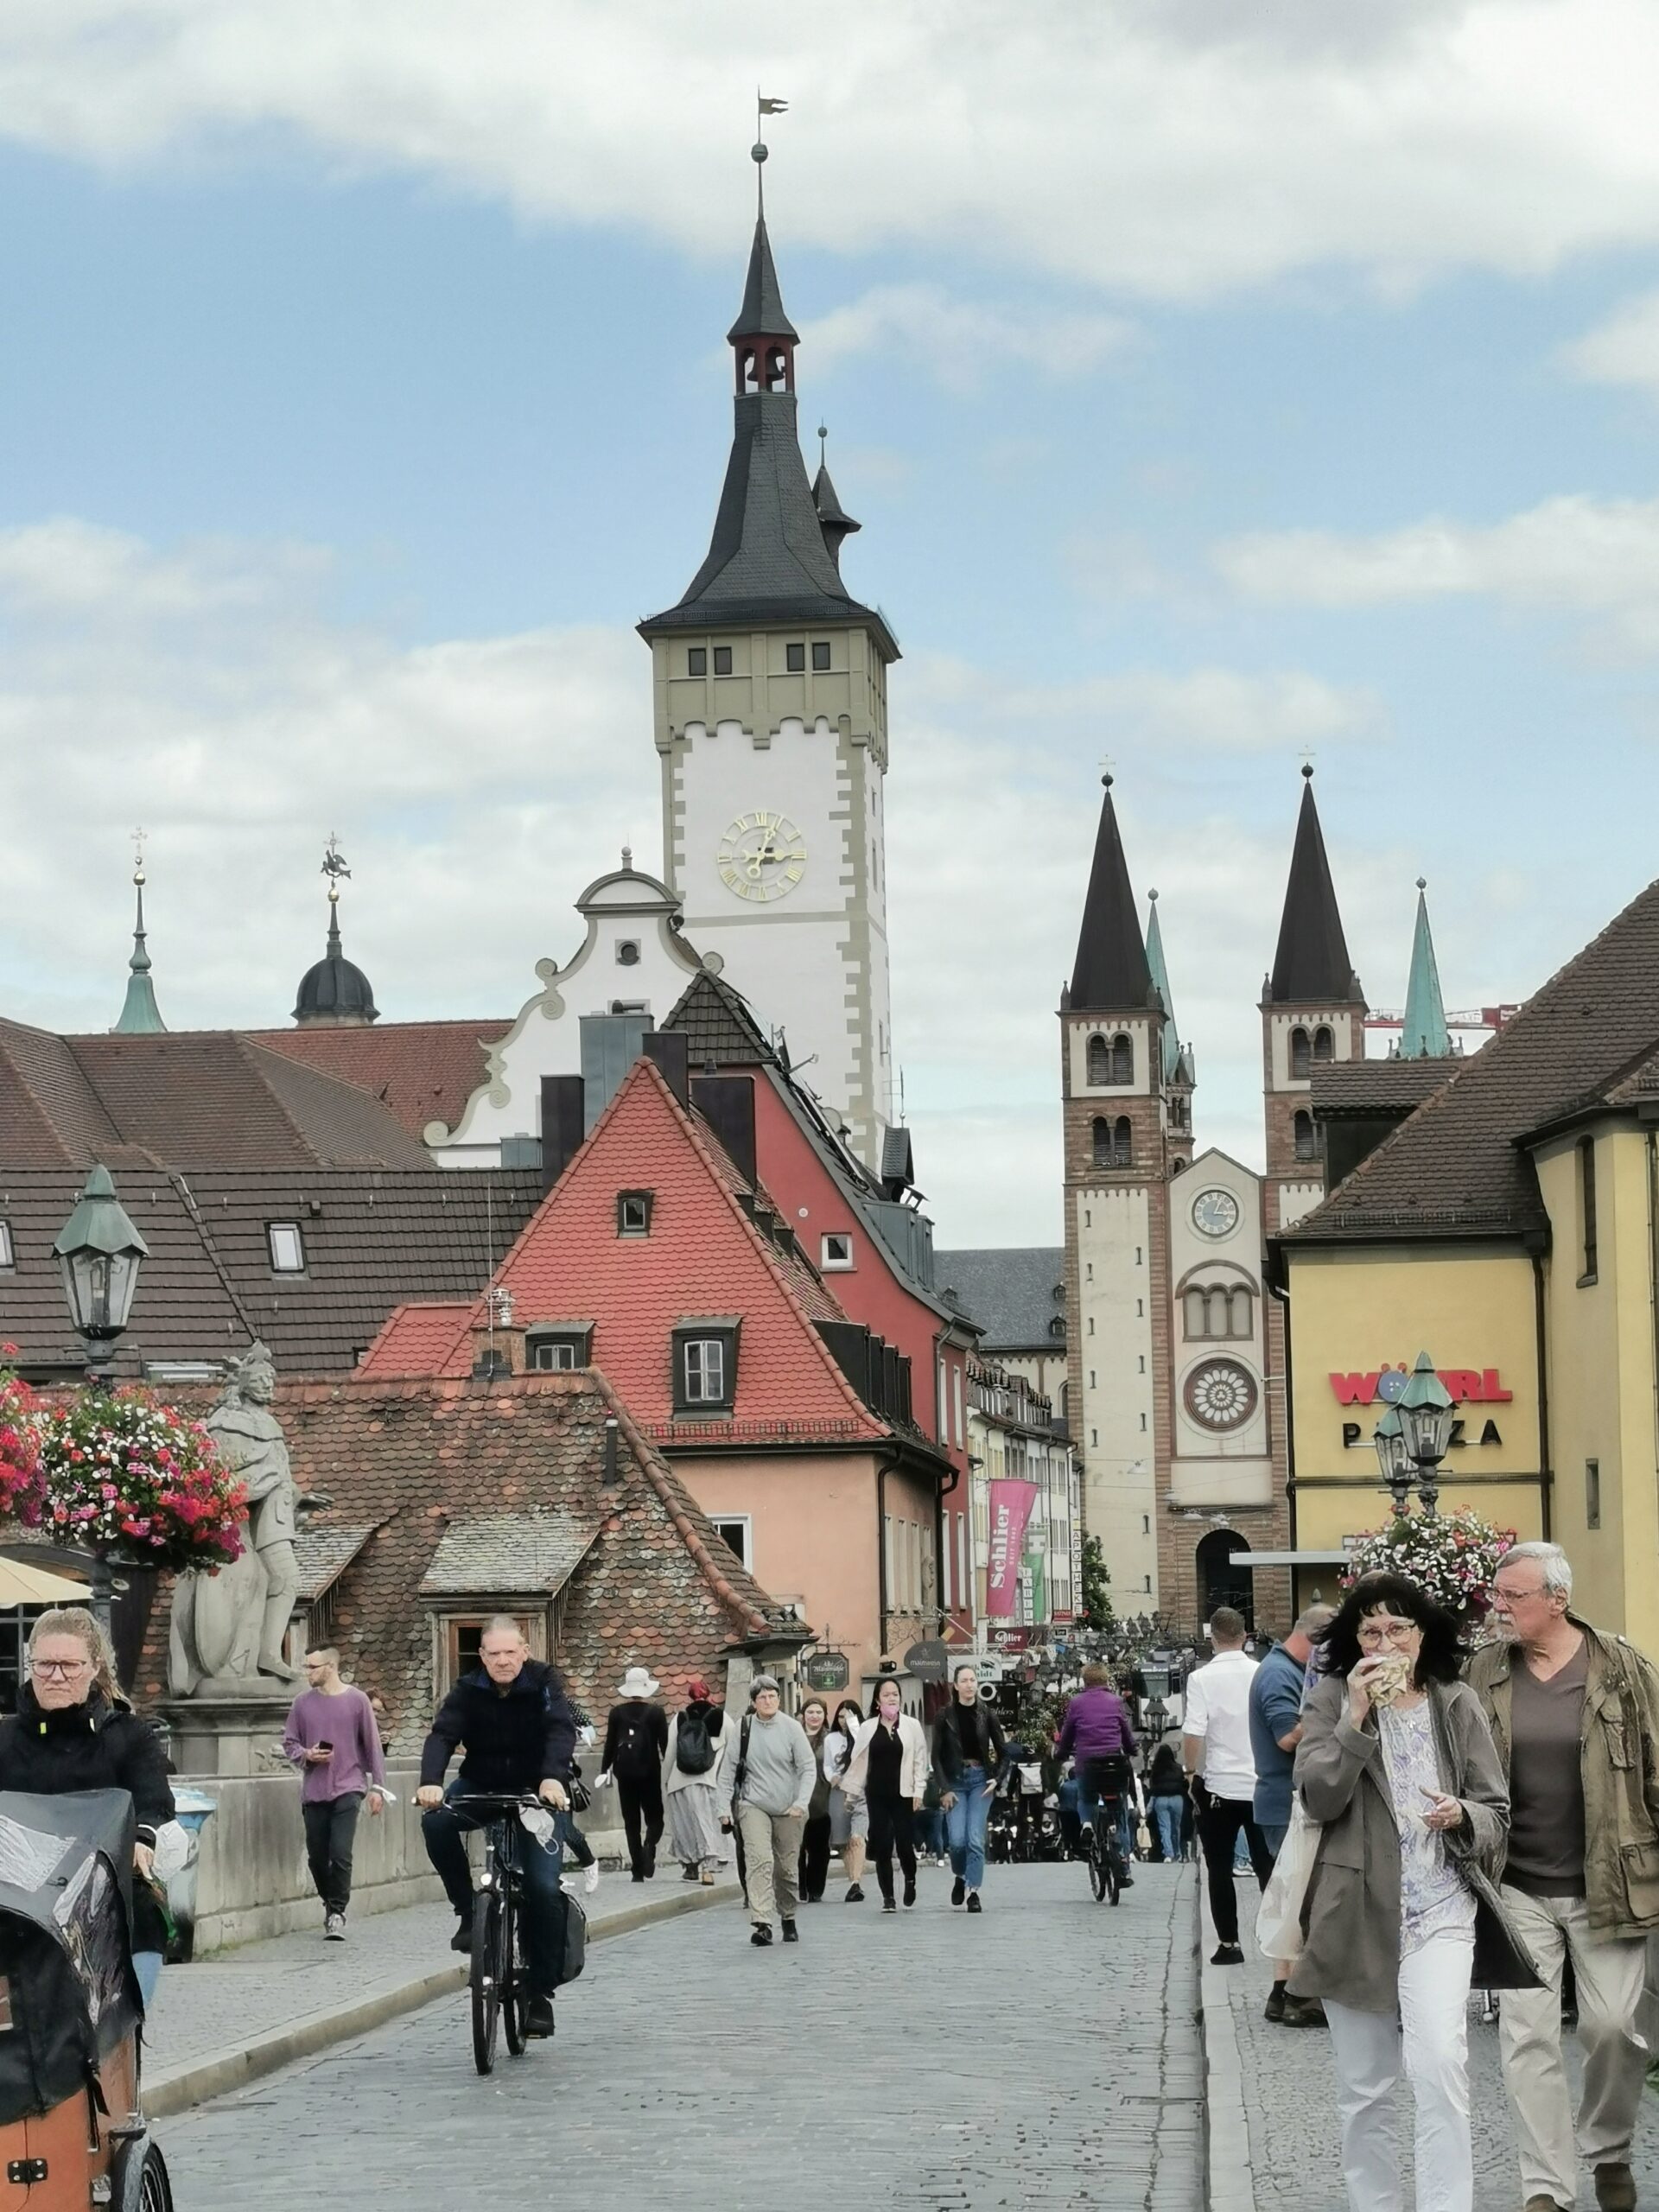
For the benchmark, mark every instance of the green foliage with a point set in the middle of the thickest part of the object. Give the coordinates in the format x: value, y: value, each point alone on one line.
x: 1095, y: 1610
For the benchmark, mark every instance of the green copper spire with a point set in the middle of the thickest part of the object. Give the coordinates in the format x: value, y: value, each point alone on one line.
x: 140, y: 1015
x: 1423, y: 1034
x: 1160, y: 984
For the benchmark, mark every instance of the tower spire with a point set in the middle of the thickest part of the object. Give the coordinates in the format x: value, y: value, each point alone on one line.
x: 1110, y: 972
x: 1174, y: 1051
x: 834, y: 520
x: 140, y: 1015
x: 1423, y: 1033
x: 1311, y: 966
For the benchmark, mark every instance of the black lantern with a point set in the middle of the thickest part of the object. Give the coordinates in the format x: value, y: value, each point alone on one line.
x: 1393, y: 1459
x: 100, y: 1252
x: 1414, y: 1435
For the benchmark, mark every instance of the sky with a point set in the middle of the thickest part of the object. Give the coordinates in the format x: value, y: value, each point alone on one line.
x: 1211, y: 391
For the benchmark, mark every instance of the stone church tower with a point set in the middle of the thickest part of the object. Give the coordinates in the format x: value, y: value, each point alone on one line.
x: 770, y: 705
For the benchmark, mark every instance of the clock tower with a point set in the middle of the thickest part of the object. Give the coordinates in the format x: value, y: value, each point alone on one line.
x: 770, y: 685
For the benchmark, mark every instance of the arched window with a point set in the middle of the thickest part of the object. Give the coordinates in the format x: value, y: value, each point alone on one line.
x: 1238, y: 1313
x: 1324, y: 1044
x: 1123, y: 1143
x: 1217, y: 1313
x: 1123, y: 1060
x: 1300, y: 1055
x: 1307, y: 1137
x: 1100, y: 1065
x: 1102, y: 1141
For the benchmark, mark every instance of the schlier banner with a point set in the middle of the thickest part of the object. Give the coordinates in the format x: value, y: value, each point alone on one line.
x: 1011, y: 1504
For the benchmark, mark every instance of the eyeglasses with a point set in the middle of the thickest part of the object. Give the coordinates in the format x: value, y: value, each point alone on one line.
x: 1517, y: 1596
x: 60, y: 1669
x: 1387, y: 1631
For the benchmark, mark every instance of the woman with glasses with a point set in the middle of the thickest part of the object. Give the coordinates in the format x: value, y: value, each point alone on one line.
x: 72, y: 1729
x: 1397, y: 1766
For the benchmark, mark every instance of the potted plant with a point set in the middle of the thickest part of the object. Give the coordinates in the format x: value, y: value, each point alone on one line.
x: 133, y: 1481
x: 1452, y: 1555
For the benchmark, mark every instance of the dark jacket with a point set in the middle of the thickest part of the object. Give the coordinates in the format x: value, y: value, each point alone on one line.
x: 515, y: 1739
x: 636, y: 1737
x: 95, y: 1745
x: 947, y: 1742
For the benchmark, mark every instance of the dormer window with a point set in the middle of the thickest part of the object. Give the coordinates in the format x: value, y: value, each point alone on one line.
x: 705, y: 1365
x: 795, y: 659
x: 555, y: 1348
x: 7, y: 1249
x: 633, y: 1212
x: 287, y: 1248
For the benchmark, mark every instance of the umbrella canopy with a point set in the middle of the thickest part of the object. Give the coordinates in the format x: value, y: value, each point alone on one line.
x: 24, y: 1585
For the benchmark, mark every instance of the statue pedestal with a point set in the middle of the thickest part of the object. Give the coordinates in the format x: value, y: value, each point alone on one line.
x: 227, y: 1736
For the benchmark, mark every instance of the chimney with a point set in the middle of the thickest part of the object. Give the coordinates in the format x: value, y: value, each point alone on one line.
x: 726, y: 1103
x: 563, y: 1099
x: 667, y: 1048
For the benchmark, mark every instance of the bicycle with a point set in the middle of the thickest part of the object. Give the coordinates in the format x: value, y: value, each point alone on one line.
x: 1102, y: 1792
x: 500, y: 1975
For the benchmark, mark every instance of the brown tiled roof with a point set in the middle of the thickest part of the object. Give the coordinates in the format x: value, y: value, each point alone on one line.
x: 1378, y: 1086
x: 1456, y: 1167
x: 414, y: 1459
x: 420, y: 1072
x: 49, y: 1113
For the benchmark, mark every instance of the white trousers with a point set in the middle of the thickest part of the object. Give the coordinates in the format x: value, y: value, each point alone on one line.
x: 1431, y: 2035
x: 1608, y: 1973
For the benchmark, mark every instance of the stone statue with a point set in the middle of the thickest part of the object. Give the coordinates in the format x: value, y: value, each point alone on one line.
x: 228, y: 1627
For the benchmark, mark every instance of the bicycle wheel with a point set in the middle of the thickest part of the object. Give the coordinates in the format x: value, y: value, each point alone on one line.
x: 1113, y: 1874
x: 486, y: 1977
x: 515, y: 1978
x: 1096, y: 1870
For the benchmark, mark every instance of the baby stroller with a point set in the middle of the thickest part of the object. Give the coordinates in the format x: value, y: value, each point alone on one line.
x: 71, y: 2135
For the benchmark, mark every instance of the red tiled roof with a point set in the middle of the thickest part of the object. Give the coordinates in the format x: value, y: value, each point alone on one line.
x: 417, y: 1340
x: 422, y: 1071
x: 703, y: 1255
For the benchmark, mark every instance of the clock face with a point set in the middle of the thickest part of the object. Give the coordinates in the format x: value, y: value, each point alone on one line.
x: 1215, y: 1213
x: 1220, y: 1395
x: 762, y: 857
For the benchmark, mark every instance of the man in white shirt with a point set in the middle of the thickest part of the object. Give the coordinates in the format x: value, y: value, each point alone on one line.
x: 1216, y: 1746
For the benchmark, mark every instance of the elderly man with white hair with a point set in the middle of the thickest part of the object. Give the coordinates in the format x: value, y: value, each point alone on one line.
x: 1575, y: 1715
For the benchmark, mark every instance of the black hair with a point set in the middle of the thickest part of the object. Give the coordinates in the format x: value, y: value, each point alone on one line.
x: 1439, y: 1660
x: 847, y: 1705
x: 1164, y: 1760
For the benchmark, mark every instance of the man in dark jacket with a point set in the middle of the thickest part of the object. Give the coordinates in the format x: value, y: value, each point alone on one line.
x: 520, y: 1736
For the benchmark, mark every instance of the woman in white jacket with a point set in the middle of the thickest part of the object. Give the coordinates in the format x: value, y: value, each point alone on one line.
x: 888, y: 1770
x: 700, y: 1738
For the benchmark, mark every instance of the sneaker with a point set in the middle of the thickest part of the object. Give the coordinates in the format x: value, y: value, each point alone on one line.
x: 760, y: 1935
x: 539, y: 2019
x: 590, y: 1879
x: 1274, y: 2008
x: 1126, y: 1880
x: 959, y: 1890
x: 909, y: 1893
x: 889, y: 1904
x: 1227, y: 1955
x: 854, y: 1894
x: 974, y: 1904
x: 462, y: 1939
x: 334, y: 1927
x: 1304, y: 2013
x: 791, y: 1934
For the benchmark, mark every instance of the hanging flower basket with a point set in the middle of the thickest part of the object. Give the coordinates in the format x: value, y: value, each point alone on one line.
x: 1452, y: 1555
x: 23, y: 1496
x: 128, y: 1478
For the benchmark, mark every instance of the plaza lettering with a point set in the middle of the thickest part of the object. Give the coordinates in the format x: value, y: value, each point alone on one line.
x: 1483, y: 1386
x: 1356, y: 1434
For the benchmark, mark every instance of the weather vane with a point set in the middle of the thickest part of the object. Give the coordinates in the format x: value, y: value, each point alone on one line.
x: 763, y: 107
x: 334, y: 867
x: 138, y: 855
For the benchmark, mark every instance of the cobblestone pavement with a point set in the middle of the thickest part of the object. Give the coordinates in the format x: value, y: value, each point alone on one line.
x: 1045, y: 2054
x: 230, y: 1998
x: 1290, y: 2094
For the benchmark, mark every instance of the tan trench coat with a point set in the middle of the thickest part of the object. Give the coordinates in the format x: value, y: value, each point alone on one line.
x: 1351, y: 1918
x: 1619, y: 1757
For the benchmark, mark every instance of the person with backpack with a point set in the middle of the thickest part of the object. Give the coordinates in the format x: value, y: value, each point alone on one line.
x: 636, y: 1742
x: 699, y: 1741
x: 766, y: 1787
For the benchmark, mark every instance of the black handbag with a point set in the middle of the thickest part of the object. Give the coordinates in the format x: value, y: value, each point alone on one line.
x: 581, y: 1797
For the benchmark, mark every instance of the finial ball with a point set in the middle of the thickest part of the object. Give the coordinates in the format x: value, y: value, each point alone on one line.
x: 1422, y: 883
x: 1153, y: 895
x: 1307, y: 772
x: 758, y: 151
x: 1106, y: 783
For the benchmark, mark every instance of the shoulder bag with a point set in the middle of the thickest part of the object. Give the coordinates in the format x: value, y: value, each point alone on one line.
x: 1279, y: 1920
x: 1501, y: 1959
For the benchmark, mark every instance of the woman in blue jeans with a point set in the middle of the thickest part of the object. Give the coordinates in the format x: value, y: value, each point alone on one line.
x: 1167, y: 1795
x: 967, y: 1754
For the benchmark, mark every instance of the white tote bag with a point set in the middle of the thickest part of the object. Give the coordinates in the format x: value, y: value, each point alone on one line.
x: 1279, y: 1922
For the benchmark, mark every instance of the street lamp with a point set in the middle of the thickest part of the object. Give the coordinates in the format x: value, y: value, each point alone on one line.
x: 1415, y: 1434
x: 100, y: 1252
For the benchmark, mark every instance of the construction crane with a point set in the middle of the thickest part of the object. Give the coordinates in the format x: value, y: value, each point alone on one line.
x: 1483, y: 1017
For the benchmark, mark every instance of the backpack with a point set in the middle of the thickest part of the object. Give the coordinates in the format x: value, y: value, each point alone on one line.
x: 636, y: 1754
x: 693, y: 1749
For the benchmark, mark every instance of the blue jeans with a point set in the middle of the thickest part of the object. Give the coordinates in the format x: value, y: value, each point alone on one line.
x: 930, y: 1830
x: 1166, y: 1811
x: 444, y: 1831
x: 965, y: 1824
x: 147, y: 1965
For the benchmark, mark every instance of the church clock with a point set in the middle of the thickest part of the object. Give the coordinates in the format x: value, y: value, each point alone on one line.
x: 762, y: 857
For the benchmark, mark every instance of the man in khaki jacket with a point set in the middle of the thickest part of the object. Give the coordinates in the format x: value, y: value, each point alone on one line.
x: 1575, y: 1716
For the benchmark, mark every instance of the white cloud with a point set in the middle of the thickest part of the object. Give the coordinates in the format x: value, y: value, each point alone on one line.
x: 1573, y: 555
x: 1174, y: 148
x: 963, y: 342
x: 1624, y: 349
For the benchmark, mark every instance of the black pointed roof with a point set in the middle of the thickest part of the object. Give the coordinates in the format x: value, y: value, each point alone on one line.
x: 1311, y: 966
x: 335, y: 989
x: 1110, y: 974
x: 762, y: 315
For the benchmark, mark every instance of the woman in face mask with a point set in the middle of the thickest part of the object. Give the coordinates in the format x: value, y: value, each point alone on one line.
x: 888, y: 1768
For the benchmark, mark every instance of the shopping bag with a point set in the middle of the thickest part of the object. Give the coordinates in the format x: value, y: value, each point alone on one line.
x: 1279, y: 1922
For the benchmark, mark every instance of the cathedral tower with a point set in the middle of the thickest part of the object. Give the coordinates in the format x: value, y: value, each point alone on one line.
x: 770, y: 683
x: 1114, y: 1025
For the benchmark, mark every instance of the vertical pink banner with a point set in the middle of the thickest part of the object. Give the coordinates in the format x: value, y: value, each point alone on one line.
x: 1011, y: 1504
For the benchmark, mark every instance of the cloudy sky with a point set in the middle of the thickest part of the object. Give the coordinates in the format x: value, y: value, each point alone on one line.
x: 1212, y: 384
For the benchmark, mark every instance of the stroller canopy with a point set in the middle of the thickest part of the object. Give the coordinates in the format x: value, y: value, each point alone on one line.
x: 67, y: 1993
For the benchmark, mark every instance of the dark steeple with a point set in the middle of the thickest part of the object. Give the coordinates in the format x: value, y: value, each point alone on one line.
x: 335, y: 993
x: 772, y: 558
x: 1311, y: 967
x: 834, y: 520
x: 1110, y: 974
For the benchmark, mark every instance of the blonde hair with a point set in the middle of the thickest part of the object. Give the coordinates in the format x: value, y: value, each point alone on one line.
x: 75, y: 1620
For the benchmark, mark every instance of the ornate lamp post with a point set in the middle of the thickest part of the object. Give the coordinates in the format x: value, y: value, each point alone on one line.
x: 1414, y: 1435
x: 100, y: 1252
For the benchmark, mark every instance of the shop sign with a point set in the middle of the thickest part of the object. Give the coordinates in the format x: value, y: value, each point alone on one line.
x: 1011, y: 1503
x: 1012, y: 1639
x: 928, y: 1661
x: 827, y: 1670
x: 1385, y: 1386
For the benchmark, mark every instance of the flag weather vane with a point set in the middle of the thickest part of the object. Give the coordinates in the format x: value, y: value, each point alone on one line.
x: 763, y: 107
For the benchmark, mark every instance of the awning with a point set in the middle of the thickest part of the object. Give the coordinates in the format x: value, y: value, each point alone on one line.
x: 22, y: 1585
x: 1288, y: 1559
x: 481, y: 1554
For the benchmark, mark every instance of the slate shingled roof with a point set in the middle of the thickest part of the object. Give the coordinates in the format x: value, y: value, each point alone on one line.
x: 1110, y: 973
x: 1016, y: 1294
x: 481, y: 1553
x: 324, y: 1551
x: 1311, y: 966
x: 718, y: 1027
x: 1456, y: 1167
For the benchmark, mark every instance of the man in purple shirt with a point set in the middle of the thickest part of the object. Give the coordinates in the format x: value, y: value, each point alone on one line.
x: 1097, y: 1734
x: 332, y: 1737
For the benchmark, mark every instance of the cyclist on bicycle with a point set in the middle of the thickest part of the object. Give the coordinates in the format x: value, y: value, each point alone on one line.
x: 1099, y: 1736
x: 520, y: 1734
